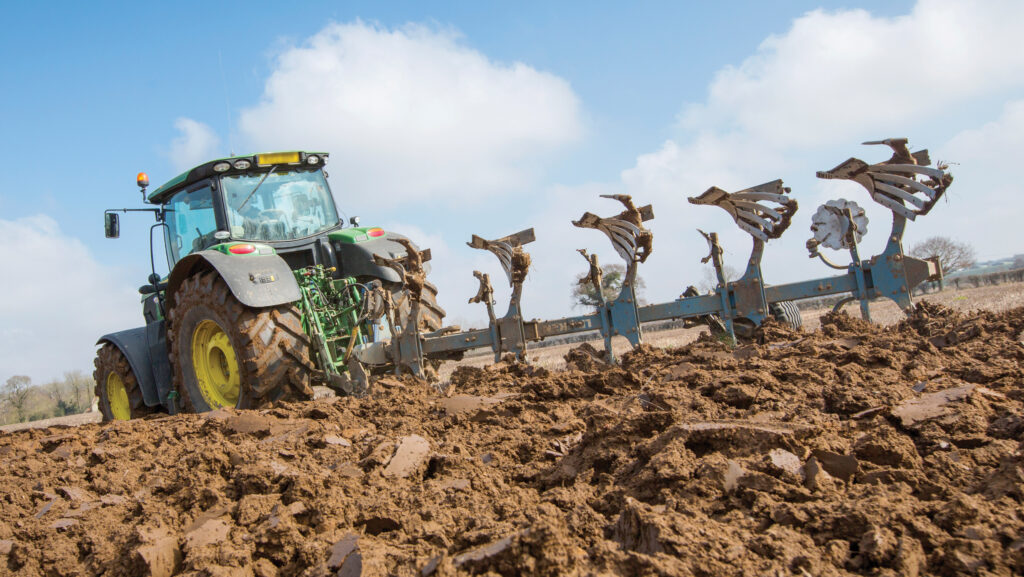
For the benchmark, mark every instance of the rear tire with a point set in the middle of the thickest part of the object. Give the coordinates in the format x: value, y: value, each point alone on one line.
x: 224, y: 353
x: 432, y: 315
x: 120, y: 398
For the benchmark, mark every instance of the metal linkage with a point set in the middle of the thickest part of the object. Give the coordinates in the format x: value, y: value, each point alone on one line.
x: 745, y: 298
x: 332, y: 317
x: 507, y: 333
x: 406, y: 346
x: 722, y: 288
x: 633, y: 242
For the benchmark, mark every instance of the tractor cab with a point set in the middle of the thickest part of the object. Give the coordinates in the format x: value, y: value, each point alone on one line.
x: 278, y: 199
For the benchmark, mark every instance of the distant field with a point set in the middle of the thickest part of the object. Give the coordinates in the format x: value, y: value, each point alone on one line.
x: 68, y: 421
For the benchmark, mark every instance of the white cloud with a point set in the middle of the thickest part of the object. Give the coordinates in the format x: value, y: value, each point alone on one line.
x: 195, y: 144
x: 986, y: 190
x: 835, y: 78
x: 835, y: 75
x: 991, y: 145
x: 59, y: 302
x: 413, y: 114
x: 805, y: 99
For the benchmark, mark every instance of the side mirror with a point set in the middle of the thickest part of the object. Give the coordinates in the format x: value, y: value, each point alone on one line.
x: 111, y: 226
x: 354, y: 221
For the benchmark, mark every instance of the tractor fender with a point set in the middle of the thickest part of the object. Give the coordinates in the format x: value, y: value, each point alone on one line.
x: 135, y: 347
x: 256, y: 280
x: 357, y: 259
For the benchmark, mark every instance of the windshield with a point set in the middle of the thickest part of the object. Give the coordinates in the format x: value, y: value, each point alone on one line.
x: 280, y: 205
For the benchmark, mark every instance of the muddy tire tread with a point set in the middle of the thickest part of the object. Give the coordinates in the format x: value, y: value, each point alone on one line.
x: 109, y: 359
x: 270, y: 344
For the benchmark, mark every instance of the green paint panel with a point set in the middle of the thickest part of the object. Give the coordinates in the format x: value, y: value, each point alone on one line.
x: 354, y: 235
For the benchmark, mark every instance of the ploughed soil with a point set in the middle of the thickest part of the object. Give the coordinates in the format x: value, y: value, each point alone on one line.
x: 856, y: 449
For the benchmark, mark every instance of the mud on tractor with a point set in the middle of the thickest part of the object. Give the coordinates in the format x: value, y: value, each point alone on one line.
x: 269, y: 292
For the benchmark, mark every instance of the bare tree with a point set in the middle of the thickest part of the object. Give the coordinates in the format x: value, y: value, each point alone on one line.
x: 710, y: 281
x: 70, y: 395
x: 16, y: 392
x: 59, y: 396
x: 80, y: 386
x: 584, y: 294
x: 953, y: 255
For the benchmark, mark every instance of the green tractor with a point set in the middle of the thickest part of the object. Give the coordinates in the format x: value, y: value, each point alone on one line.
x: 268, y: 291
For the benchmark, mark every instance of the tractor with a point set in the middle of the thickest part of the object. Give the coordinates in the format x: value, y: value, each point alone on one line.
x: 267, y: 291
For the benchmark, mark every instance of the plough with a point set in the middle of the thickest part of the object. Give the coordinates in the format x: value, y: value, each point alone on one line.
x: 905, y: 184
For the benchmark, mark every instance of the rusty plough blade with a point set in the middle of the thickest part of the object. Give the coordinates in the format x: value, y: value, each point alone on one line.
x: 747, y: 209
x: 904, y: 184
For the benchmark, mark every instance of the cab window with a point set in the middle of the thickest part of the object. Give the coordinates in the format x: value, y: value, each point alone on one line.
x: 281, y: 204
x: 191, y: 222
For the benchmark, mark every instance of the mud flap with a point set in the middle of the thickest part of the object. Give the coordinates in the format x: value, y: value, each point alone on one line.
x: 256, y: 281
x: 134, y: 344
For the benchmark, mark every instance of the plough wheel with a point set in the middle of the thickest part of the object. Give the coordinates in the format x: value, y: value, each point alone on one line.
x: 116, y: 386
x: 785, y: 312
x: 788, y: 313
x: 225, y: 354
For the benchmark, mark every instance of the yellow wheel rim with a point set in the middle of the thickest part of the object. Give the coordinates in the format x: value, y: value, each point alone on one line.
x: 117, y: 398
x: 216, y: 365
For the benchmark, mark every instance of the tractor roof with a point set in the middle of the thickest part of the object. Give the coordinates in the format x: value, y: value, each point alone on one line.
x: 206, y: 170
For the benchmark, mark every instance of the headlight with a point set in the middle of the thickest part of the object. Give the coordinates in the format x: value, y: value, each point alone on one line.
x: 313, y: 159
x: 242, y: 164
x: 221, y: 167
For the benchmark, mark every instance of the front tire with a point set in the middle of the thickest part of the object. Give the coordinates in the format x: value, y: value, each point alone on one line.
x: 225, y: 354
x: 117, y: 387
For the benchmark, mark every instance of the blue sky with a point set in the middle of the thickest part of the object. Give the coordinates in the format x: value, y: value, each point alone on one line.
x: 113, y: 77
x: 657, y: 99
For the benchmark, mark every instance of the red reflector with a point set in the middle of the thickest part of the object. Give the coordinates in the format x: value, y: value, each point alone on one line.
x: 375, y: 232
x: 242, y: 249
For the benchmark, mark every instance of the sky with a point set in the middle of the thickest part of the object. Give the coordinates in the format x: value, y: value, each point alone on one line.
x: 445, y: 120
